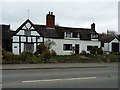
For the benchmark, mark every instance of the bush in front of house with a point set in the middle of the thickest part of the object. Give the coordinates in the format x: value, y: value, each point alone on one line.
x: 45, y: 56
x: 41, y: 48
x: 53, y: 53
x: 10, y: 58
x: 93, y: 50
x: 100, y: 51
x: 83, y: 52
x: 29, y: 57
x: 7, y: 55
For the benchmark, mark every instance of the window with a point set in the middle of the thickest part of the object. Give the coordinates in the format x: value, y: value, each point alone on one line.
x: 94, y: 36
x: 29, y: 46
x: 15, y: 38
x: 15, y: 46
x: 89, y: 48
x: 68, y: 34
x: 33, y: 39
x: 96, y: 46
x: 27, y: 33
x: 23, y: 39
x: 76, y: 34
x: 67, y: 47
x: 29, y: 39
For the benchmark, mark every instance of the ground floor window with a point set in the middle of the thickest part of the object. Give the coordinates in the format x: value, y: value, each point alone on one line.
x: 67, y: 47
x: 90, y: 47
x: 29, y: 46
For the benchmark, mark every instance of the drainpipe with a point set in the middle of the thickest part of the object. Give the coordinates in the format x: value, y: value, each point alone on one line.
x: 108, y: 47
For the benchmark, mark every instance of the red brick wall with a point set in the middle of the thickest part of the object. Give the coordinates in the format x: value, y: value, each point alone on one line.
x: 50, y: 20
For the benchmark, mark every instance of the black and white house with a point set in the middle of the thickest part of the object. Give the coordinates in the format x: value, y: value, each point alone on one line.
x: 29, y: 35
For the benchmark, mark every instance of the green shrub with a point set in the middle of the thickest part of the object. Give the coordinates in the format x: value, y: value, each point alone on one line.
x: 27, y: 56
x: 100, y: 51
x: 36, y: 60
x: 118, y: 53
x: 10, y: 58
x: 83, y: 52
x: 8, y: 55
x: 93, y: 50
x: 53, y: 53
x: 103, y: 58
x: 41, y: 48
x: 45, y: 56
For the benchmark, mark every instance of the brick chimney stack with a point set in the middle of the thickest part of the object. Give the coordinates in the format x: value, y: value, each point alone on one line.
x: 50, y: 20
x: 93, y: 26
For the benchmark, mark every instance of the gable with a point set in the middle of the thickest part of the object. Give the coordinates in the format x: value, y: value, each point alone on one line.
x: 115, y: 40
x: 27, y: 29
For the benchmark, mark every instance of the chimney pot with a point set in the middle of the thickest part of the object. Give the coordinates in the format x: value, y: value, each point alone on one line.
x: 51, y: 13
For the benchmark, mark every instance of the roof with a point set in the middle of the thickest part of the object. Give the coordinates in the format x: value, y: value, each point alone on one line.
x: 46, y: 32
x: 84, y: 32
x: 108, y: 40
x: 56, y: 32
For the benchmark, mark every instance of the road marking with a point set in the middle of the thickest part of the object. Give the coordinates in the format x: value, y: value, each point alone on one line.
x: 58, y: 79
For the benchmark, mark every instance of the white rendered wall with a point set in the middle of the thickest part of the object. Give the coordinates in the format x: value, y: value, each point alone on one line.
x: 82, y: 45
x: 106, y: 46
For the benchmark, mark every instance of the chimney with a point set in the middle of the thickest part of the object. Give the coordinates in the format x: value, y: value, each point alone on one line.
x: 93, y: 26
x: 50, y: 20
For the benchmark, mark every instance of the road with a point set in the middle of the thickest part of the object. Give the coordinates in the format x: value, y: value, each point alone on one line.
x: 104, y: 77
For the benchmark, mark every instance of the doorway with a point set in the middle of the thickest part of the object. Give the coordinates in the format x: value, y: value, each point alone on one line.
x: 115, y: 47
x: 76, y: 48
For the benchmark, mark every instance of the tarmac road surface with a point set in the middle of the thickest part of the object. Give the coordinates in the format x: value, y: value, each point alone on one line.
x: 97, y: 77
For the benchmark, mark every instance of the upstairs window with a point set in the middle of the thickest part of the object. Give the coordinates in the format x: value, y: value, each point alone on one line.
x: 94, y: 36
x: 76, y: 34
x: 67, y: 47
x: 27, y: 32
x: 68, y: 34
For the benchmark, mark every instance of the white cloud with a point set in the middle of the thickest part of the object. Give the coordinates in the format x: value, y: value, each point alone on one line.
x: 70, y: 14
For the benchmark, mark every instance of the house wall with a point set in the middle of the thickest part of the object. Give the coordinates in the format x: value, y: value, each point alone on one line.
x: 19, y: 41
x: 15, y: 47
x: 82, y: 45
x: 108, y: 46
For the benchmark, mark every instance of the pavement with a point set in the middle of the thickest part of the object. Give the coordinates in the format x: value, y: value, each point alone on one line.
x: 53, y: 66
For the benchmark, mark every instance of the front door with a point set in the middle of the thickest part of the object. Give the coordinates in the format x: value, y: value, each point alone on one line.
x: 76, y: 48
x: 115, y: 47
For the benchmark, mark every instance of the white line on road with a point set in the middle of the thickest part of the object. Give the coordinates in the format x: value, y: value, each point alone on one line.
x: 58, y: 79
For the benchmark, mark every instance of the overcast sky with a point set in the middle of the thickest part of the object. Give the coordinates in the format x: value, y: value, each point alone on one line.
x: 68, y: 14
